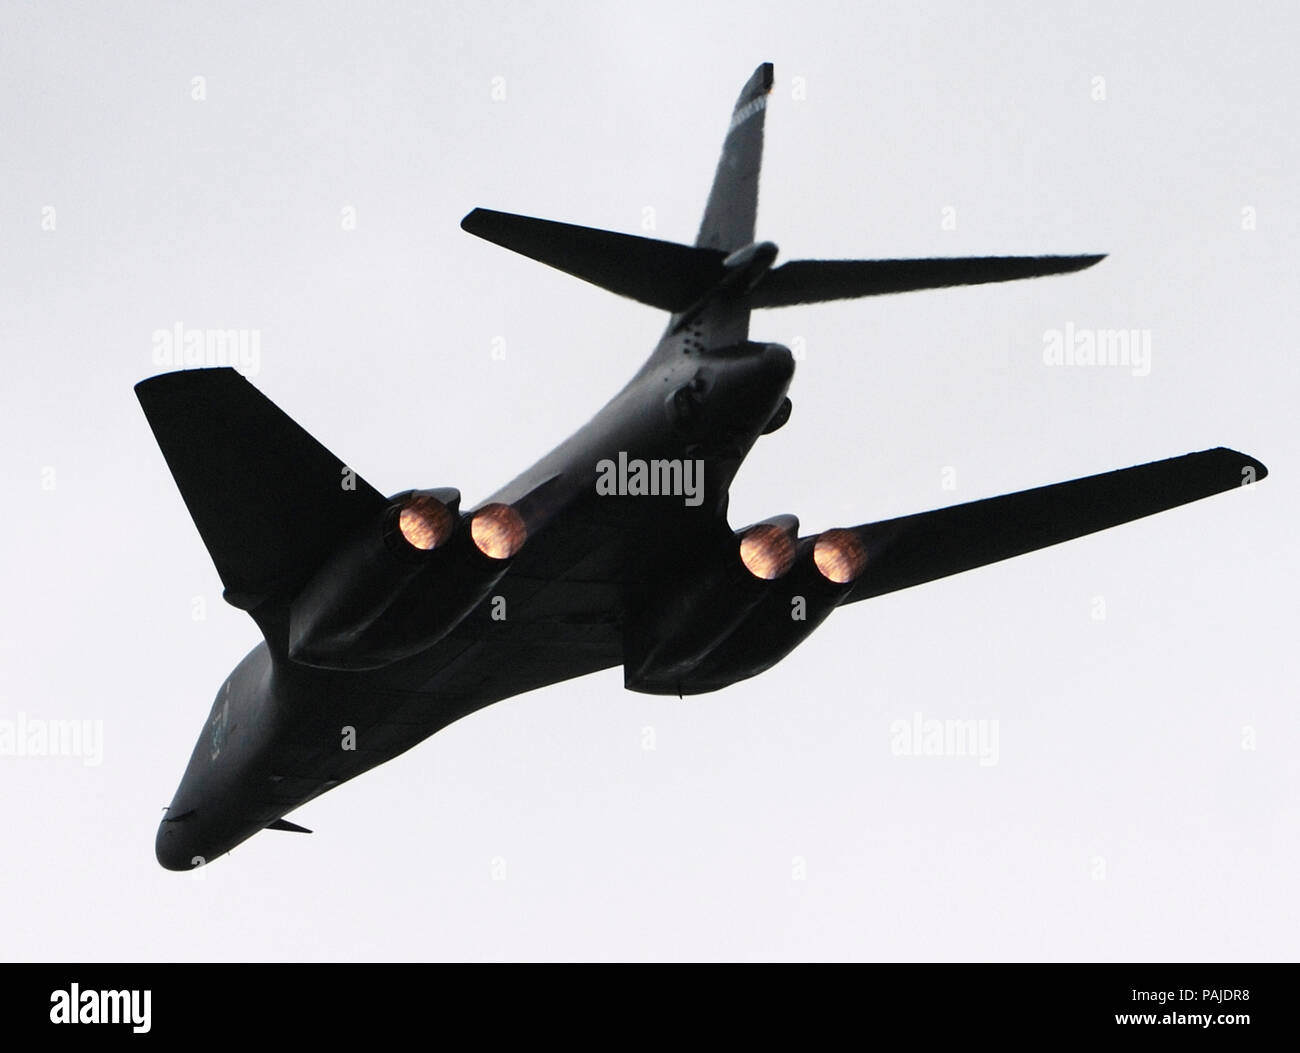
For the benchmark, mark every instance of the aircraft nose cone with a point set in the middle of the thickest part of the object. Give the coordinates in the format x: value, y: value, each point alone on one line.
x: 174, y: 845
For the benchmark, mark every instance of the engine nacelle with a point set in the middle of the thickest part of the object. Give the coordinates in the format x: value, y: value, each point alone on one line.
x: 665, y: 641
x: 402, y: 582
x: 825, y: 570
x: 738, y: 632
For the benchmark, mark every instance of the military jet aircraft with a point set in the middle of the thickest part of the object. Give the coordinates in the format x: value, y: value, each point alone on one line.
x: 386, y: 619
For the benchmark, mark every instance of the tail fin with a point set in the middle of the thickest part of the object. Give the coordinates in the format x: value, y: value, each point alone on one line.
x: 728, y: 222
x: 815, y: 281
x: 268, y: 499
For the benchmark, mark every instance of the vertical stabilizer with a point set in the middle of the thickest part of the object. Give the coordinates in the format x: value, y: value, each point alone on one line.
x: 728, y: 222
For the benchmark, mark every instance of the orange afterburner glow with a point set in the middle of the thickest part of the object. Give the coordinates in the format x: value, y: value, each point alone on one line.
x: 840, y: 556
x: 767, y: 551
x: 498, y: 531
x: 425, y: 522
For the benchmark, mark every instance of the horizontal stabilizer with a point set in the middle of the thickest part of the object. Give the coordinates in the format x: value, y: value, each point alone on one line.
x: 814, y: 281
x: 284, y: 824
x: 269, y: 501
x: 919, y: 548
x: 662, y: 274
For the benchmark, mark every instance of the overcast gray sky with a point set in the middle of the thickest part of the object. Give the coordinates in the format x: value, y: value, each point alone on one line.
x: 1144, y: 799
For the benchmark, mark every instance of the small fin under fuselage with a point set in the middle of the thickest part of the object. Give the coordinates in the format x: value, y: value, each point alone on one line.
x: 284, y: 824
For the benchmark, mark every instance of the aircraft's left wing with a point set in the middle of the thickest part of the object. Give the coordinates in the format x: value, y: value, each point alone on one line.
x: 918, y: 548
x: 876, y: 558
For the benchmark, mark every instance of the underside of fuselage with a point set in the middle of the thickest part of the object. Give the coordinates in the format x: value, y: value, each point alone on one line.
x: 280, y: 733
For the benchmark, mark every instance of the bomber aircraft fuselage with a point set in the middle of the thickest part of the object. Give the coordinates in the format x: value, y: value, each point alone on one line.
x: 386, y: 619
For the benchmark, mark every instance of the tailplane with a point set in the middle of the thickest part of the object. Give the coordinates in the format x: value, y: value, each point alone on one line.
x: 661, y: 274
x: 816, y: 281
x: 726, y: 265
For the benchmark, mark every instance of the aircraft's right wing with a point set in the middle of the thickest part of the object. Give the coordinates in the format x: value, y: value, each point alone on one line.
x: 268, y: 499
x: 919, y: 548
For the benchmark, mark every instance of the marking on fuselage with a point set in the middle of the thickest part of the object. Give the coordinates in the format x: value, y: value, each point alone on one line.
x: 219, y: 723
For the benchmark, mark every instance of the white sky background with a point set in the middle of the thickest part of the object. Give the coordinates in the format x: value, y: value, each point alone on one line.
x: 1119, y: 740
